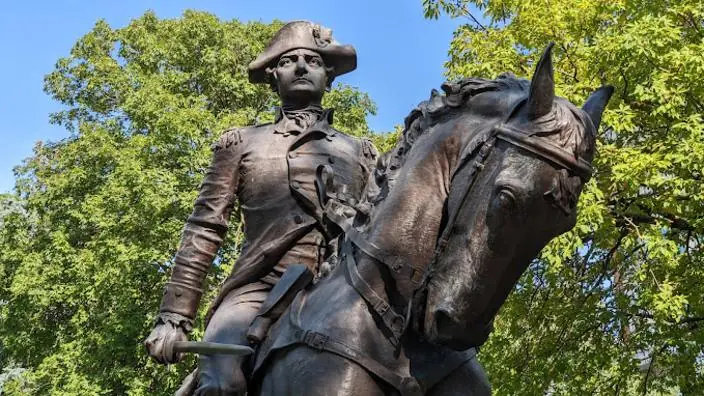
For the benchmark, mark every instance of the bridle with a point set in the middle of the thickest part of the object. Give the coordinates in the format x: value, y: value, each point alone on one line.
x: 412, y: 281
x: 540, y: 147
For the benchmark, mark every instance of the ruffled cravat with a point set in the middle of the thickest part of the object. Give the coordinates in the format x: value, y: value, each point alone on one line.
x: 294, y: 122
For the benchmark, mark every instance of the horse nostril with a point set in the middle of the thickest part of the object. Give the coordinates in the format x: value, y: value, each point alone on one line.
x: 444, y: 320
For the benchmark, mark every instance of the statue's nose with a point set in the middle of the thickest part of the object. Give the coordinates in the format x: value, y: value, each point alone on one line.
x: 301, y: 66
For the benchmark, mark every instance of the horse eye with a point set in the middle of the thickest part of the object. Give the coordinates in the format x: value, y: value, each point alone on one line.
x: 506, y: 199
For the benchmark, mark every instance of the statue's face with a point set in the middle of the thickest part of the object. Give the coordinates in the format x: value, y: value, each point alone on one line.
x: 301, y: 77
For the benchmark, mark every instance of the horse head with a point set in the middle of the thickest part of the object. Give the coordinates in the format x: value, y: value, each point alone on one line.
x: 480, y: 181
x: 523, y: 195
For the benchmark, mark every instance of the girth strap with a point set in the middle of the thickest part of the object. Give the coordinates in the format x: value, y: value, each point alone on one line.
x: 408, y: 386
x: 394, y: 322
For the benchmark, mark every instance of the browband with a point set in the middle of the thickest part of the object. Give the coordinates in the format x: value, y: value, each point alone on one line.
x: 547, y: 150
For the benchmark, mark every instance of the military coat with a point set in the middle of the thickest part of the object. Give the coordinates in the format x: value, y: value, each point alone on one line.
x: 271, y: 171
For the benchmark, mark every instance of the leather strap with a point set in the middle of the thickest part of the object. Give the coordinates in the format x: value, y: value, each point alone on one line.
x: 484, y: 151
x: 395, y: 263
x: 408, y: 386
x: 394, y: 322
x: 295, y: 278
x: 544, y: 149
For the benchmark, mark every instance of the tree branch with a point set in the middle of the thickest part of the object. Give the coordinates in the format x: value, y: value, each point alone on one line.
x: 476, y: 21
x: 650, y: 368
x: 642, y: 218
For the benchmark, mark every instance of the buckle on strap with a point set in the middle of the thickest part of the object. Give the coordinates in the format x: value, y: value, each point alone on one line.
x: 315, y: 340
x: 381, y: 307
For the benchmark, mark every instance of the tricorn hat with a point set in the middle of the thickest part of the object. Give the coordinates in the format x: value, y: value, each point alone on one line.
x: 304, y: 34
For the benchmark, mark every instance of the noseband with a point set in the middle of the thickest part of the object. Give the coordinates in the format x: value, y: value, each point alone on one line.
x: 412, y: 281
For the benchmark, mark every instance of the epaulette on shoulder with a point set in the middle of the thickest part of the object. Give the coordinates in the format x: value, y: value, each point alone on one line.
x: 228, y: 138
x: 368, y: 149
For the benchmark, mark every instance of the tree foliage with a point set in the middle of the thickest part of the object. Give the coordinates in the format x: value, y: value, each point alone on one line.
x: 87, y: 241
x: 614, y: 307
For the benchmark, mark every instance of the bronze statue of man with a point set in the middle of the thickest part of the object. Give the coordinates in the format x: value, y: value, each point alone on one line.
x: 270, y: 169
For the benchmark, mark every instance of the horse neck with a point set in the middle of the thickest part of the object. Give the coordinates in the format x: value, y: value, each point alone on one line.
x: 405, y: 224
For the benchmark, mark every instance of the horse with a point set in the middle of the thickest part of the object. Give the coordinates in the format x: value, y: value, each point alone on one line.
x: 482, y: 178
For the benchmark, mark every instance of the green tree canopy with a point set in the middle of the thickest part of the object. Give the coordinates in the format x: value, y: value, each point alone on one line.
x: 616, y: 306
x: 86, y: 244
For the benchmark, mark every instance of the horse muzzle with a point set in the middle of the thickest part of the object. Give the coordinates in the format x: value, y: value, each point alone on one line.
x: 443, y: 329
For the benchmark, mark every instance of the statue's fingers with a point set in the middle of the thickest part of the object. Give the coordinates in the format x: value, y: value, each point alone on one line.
x: 155, y: 349
x: 170, y: 355
x: 178, y: 356
x: 149, y: 343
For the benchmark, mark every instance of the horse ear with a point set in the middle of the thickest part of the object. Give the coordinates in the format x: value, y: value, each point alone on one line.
x: 542, y: 86
x: 596, y: 103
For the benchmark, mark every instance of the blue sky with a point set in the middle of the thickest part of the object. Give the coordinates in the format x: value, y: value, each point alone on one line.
x: 400, y: 54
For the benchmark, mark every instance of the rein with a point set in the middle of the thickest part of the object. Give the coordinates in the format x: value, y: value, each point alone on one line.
x: 414, y: 281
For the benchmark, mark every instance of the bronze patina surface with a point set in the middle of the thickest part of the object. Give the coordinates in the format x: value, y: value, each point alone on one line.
x: 270, y: 171
x: 429, y: 239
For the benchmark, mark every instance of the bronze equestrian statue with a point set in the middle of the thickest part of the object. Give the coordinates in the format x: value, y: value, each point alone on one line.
x: 481, y: 180
x: 270, y: 170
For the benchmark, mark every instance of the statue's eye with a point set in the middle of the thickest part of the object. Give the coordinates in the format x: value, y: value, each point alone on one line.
x: 285, y: 61
x: 315, y: 61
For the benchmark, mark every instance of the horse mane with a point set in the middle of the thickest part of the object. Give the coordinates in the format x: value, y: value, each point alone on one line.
x: 565, y: 126
x: 434, y: 110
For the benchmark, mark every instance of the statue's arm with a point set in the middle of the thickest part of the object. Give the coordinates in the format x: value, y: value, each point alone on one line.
x: 202, y: 236
x: 205, y: 228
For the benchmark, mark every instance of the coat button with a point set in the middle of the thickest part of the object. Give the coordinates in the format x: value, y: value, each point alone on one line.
x: 331, y: 159
x: 298, y: 219
x: 295, y: 184
x: 292, y: 155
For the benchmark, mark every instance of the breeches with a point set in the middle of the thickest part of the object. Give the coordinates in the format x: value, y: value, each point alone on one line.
x: 229, y: 325
x: 226, y: 374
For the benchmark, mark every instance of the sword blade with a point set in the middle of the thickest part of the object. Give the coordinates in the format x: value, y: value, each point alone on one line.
x: 211, y: 348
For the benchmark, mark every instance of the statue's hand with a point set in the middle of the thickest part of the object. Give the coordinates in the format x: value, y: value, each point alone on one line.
x: 169, y: 328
